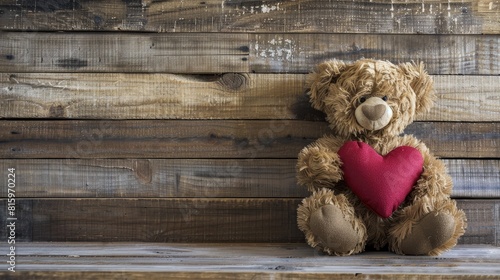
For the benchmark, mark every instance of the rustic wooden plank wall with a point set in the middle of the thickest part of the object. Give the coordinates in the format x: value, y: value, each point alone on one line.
x: 181, y: 120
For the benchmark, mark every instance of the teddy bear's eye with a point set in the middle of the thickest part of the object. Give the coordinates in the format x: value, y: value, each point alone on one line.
x: 362, y: 99
x: 384, y: 98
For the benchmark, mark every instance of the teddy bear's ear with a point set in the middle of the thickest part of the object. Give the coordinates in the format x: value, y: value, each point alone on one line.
x: 422, y: 85
x: 319, y: 81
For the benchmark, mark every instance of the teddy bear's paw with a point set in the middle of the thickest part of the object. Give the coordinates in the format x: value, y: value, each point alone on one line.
x: 318, y: 168
x: 432, y: 232
x: 333, y: 231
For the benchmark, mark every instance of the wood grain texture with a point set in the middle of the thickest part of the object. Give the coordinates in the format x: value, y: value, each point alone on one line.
x: 155, y: 178
x: 112, y: 52
x: 465, y: 98
x: 474, y: 177
x: 228, y: 96
x: 239, y: 52
x: 440, y: 17
x: 201, y: 178
x: 152, y: 96
x: 157, y: 139
x: 91, y: 260
x: 451, y: 139
x: 442, y: 54
x: 267, y: 273
x: 195, y: 220
x: 160, y: 220
x: 249, y: 139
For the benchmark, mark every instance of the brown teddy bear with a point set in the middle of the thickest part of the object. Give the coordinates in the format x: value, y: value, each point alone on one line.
x: 371, y: 185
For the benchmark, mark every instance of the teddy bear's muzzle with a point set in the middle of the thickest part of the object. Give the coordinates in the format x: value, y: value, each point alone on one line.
x: 373, y: 114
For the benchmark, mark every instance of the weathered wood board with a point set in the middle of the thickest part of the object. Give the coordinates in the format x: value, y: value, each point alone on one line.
x: 239, y: 52
x: 436, y: 16
x: 157, y: 139
x: 42, y: 260
x: 193, y: 220
x: 442, y: 54
x: 136, y: 52
x: 215, y: 138
x: 153, y: 96
x: 268, y: 273
x: 201, y: 178
x: 228, y: 96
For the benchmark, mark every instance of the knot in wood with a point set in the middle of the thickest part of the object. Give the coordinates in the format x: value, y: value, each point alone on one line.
x: 56, y: 111
x: 143, y: 171
x: 233, y: 81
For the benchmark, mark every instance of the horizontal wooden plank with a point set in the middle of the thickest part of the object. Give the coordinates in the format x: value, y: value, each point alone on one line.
x: 170, y: 178
x: 483, y: 221
x: 468, y: 140
x: 207, y: 251
x: 465, y: 98
x: 239, y: 52
x: 438, y: 16
x: 155, y: 178
x: 193, y: 220
x: 228, y: 96
x: 156, y: 139
x: 249, y: 139
x: 474, y: 178
x: 267, y: 274
x: 152, y: 96
x: 77, y: 260
x: 112, y: 52
x: 160, y: 220
x: 442, y: 54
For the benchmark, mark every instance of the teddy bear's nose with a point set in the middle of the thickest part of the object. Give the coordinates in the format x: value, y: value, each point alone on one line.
x: 374, y: 112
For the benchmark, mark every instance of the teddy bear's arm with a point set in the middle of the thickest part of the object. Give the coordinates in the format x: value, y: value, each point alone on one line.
x: 319, y: 164
x: 434, y: 181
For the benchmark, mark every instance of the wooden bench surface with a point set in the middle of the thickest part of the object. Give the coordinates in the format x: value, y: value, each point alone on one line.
x: 181, y: 121
x: 242, y: 261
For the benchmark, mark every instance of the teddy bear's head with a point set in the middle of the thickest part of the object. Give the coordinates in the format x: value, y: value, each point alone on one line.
x: 369, y: 97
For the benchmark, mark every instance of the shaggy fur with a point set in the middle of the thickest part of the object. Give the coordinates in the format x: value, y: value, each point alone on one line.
x: 338, y: 88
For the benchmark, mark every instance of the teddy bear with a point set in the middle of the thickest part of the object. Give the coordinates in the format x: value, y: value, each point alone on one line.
x: 371, y: 185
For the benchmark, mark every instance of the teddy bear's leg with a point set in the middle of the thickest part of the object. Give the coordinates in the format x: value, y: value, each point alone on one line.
x: 330, y: 224
x: 431, y: 233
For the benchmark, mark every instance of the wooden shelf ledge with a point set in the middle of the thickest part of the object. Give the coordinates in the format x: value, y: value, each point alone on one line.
x: 79, y: 260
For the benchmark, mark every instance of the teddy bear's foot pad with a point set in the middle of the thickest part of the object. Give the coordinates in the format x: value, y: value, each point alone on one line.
x: 434, y: 230
x: 332, y: 229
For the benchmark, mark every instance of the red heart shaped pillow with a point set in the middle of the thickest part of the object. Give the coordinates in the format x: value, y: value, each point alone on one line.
x: 380, y: 182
